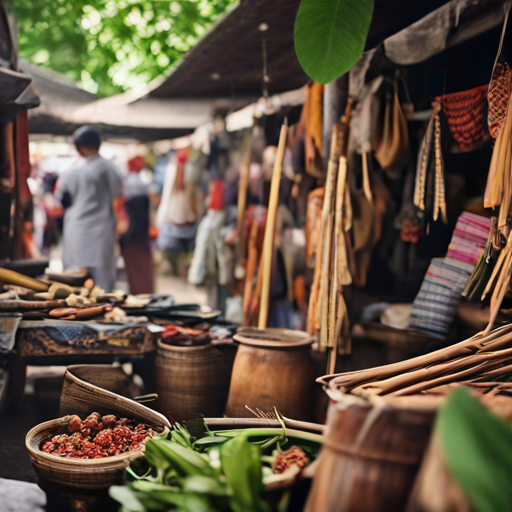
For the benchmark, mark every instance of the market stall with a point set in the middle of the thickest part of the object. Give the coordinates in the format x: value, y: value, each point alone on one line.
x: 390, y: 231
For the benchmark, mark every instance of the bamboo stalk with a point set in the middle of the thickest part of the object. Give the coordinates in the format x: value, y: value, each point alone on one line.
x: 498, y: 372
x: 349, y: 380
x: 322, y: 319
x: 339, y: 235
x: 338, y: 315
x: 502, y: 284
x: 340, y: 269
x: 405, y: 380
x: 268, y: 245
x: 243, y: 184
x: 452, y: 377
x: 252, y: 262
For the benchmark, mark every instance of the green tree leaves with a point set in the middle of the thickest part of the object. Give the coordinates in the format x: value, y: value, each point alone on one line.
x: 112, y: 45
x: 330, y: 36
x: 477, y: 447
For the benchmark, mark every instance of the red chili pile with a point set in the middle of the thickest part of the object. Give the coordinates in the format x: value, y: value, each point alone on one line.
x: 97, y: 437
x: 295, y: 456
x: 184, y: 337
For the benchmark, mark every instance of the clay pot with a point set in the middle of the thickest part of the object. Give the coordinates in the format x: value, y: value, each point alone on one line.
x: 273, y: 368
x: 370, y: 456
x: 193, y: 380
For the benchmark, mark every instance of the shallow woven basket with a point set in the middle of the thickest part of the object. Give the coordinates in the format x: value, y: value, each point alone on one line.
x: 83, y: 398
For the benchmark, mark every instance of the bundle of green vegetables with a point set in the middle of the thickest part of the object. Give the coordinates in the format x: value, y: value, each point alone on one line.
x: 223, y: 471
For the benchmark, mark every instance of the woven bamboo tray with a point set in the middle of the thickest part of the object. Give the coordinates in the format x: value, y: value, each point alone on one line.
x: 83, y: 398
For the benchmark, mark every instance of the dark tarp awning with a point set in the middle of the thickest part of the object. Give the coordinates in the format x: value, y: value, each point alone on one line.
x: 228, y: 61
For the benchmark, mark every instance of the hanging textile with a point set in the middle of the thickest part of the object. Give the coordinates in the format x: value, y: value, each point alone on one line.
x: 466, y: 113
x: 313, y: 119
x: 499, y: 87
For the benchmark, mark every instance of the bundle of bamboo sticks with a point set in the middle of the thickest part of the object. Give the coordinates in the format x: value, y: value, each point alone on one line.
x: 484, y: 356
x: 327, y: 315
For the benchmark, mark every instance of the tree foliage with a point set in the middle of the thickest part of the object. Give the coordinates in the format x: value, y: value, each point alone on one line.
x: 111, y: 45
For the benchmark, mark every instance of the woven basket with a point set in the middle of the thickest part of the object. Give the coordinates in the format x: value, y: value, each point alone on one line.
x: 83, y: 398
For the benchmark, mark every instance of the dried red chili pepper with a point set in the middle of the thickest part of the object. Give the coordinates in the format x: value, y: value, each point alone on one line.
x: 94, y: 439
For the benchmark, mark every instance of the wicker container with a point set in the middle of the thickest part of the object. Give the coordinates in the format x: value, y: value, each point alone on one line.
x: 273, y: 368
x: 83, y: 398
x: 371, y: 454
x: 193, y: 380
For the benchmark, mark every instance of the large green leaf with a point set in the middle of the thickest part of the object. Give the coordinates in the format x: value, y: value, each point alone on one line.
x: 330, y: 36
x: 241, y: 464
x: 477, y: 447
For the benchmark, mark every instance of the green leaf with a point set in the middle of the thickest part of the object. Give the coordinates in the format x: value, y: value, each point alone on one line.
x: 205, y: 485
x: 145, y: 486
x: 207, y: 441
x: 241, y: 464
x: 330, y: 36
x: 181, y: 436
x: 126, y: 497
x: 185, y: 461
x: 196, y: 503
x: 477, y: 446
x: 155, y: 457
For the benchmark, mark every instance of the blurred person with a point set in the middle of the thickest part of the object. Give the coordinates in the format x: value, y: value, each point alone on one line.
x: 134, y: 230
x: 89, y: 189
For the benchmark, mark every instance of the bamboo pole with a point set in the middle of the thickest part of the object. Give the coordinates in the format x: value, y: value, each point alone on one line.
x: 494, y: 340
x: 252, y: 263
x: 324, y: 266
x: 340, y: 274
x: 243, y: 184
x: 268, y: 245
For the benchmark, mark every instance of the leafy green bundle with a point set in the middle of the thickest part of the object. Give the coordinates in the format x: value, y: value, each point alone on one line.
x: 222, y: 471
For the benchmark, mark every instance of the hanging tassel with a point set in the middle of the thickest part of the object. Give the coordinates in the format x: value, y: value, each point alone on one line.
x: 440, y: 196
x: 423, y: 164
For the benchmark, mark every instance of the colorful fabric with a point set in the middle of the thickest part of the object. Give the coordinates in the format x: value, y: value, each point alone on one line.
x: 466, y: 112
x: 436, y: 304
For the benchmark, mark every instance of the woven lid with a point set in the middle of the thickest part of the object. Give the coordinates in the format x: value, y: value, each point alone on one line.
x: 272, y: 338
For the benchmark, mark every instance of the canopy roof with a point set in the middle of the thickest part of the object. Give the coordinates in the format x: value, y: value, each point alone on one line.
x: 228, y: 61
x: 65, y: 106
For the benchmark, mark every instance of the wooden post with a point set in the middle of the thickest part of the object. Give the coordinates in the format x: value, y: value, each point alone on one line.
x: 243, y: 183
x: 335, y: 99
x: 268, y: 241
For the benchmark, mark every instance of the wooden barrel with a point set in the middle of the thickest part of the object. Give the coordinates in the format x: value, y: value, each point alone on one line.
x: 371, y: 455
x: 193, y: 380
x: 273, y: 368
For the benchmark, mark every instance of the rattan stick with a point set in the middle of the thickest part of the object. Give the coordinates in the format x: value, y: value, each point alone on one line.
x: 268, y: 242
x: 472, y: 345
x: 429, y: 373
x: 451, y: 377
